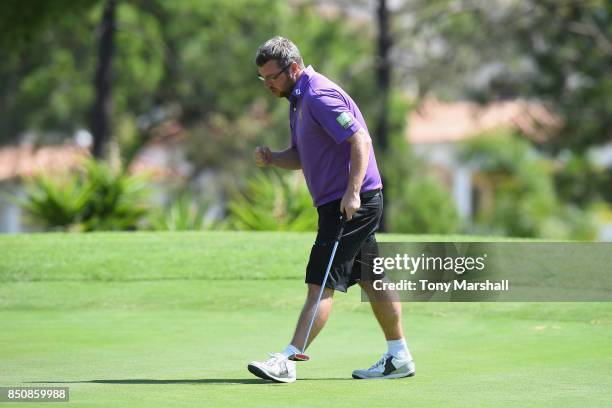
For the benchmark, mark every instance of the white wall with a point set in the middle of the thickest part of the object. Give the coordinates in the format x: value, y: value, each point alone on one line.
x: 10, y: 214
x: 445, y: 155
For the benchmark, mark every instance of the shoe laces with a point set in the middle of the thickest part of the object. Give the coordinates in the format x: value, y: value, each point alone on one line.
x: 380, y: 362
x: 274, y: 359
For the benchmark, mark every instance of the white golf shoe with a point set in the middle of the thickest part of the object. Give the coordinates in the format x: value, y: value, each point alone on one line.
x: 387, y: 367
x: 277, y: 368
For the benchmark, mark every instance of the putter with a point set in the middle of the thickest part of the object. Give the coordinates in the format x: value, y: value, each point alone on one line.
x: 302, y: 356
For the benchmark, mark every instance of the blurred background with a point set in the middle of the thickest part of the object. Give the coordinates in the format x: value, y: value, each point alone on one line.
x: 488, y: 117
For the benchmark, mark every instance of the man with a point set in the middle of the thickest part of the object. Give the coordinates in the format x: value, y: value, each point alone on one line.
x: 331, y: 145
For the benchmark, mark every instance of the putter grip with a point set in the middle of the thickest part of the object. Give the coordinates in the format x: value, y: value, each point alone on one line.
x: 341, y: 230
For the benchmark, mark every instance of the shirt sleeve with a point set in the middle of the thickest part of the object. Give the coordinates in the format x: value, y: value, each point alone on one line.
x: 331, y: 111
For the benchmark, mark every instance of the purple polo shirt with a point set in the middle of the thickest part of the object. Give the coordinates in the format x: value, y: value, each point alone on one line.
x: 322, y: 117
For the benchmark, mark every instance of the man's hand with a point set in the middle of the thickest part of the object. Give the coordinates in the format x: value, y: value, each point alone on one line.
x: 262, y: 156
x: 350, y: 204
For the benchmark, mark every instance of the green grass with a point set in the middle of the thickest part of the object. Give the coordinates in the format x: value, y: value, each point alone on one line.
x: 172, y: 319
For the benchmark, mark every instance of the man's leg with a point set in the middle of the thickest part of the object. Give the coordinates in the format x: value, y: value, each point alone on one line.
x: 307, y: 311
x: 387, y: 309
x: 397, y: 361
x: 278, y: 368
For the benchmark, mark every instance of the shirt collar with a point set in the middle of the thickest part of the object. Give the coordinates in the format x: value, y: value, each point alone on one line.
x: 300, y: 85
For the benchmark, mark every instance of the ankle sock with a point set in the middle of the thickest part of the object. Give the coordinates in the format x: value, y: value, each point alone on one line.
x: 290, y: 350
x: 399, y: 348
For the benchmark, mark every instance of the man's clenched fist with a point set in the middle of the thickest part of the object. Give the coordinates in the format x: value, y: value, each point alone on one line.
x: 262, y: 156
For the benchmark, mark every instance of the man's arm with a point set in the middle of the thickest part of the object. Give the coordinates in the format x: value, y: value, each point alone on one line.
x: 287, y: 159
x: 360, y: 143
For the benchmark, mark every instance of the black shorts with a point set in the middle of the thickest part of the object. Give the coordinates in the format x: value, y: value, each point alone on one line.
x: 357, y: 246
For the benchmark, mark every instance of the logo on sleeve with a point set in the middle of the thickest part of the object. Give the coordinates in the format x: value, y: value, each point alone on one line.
x: 345, y: 120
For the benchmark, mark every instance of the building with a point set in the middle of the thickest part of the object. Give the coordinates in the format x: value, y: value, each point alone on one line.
x: 436, y: 129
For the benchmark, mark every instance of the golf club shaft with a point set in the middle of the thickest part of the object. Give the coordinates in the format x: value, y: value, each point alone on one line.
x: 329, y: 264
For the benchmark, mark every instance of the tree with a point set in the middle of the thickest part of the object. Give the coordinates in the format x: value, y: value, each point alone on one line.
x: 556, y: 51
x: 36, y: 64
x: 570, y: 43
x: 383, y: 80
x: 101, y: 111
x: 383, y: 71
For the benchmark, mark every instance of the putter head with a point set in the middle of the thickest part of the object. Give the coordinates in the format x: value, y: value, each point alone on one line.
x: 299, y: 357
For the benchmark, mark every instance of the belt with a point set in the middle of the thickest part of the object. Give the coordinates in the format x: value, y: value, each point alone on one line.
x: 370, y: 193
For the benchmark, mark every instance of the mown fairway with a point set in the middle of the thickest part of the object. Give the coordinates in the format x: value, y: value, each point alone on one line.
x: 172, y: 319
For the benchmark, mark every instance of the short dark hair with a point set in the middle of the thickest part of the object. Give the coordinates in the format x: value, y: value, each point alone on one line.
x: 280, y: 49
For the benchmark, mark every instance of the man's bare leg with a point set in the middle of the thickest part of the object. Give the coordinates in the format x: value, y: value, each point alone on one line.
x: 397, y: 361
x: 307, y: 311
x: 387, y: 309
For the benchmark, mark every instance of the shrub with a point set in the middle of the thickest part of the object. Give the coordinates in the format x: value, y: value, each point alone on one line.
x: 424, y: 206
x: 525, y: 201
x: 273, y: 201
x: 183, y: 214
x: 94, y: 198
